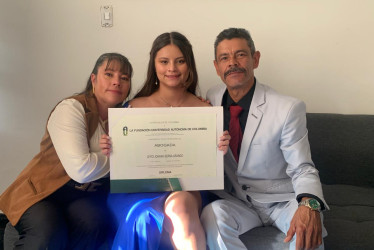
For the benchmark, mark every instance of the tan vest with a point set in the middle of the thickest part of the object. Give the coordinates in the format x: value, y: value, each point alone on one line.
x: 44, y: 174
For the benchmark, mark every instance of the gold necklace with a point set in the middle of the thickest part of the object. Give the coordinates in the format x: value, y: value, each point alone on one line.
x: 171, y: 106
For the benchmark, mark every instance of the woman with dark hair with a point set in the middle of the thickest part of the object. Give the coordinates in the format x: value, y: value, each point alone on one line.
x: 171, y: 82
x: 151, y: 84
x: 59, y: 200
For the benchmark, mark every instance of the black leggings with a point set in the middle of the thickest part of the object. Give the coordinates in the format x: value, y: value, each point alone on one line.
x: 70, y: 218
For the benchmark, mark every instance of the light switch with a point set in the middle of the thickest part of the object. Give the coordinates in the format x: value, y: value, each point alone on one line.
x: 106, y: 16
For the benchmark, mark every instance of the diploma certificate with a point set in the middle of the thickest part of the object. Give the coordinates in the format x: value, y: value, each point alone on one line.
x: 165, y: 149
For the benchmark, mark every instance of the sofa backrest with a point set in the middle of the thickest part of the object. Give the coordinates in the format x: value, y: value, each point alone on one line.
x: 342, y: 148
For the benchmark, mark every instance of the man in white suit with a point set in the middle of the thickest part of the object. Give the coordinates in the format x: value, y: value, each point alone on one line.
x: 270, y: 179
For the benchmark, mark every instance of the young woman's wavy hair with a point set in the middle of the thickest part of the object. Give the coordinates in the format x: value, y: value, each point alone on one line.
x: 185, y: 47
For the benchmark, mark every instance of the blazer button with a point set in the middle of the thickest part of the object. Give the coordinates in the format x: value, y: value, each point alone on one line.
x: 244, y: 187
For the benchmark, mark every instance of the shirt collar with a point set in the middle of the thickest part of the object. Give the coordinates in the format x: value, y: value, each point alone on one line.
x: 246, y: 100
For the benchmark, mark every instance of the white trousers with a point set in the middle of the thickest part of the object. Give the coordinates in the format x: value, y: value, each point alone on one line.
x: 224, y: 220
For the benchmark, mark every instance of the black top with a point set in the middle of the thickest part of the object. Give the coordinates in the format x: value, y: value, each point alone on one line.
x: 245, y: 103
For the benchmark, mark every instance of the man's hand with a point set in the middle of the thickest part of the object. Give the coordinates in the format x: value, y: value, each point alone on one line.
x: 306, y: 223
x: 203, y: 100
x: 224, y: 142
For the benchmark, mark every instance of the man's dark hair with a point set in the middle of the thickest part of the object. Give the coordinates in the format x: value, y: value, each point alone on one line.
x: 231, y: 33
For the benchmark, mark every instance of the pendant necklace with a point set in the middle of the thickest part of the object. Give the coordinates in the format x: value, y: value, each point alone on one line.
x: 171, y: 106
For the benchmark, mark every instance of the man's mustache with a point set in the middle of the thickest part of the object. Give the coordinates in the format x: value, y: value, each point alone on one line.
x: 232, y: 70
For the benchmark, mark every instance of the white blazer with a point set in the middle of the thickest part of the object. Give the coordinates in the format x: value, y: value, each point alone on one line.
x: 275, y: 162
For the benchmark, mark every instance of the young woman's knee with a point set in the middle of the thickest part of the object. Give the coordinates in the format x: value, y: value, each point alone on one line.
x: 183, y: 203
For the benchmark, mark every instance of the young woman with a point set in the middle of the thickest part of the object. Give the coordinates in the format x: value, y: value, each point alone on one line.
x: 171, y: 82
x: 59, y: 200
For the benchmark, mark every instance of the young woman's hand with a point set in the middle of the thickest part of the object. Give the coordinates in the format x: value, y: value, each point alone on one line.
x: 224, y: 142
x: 105, y: 145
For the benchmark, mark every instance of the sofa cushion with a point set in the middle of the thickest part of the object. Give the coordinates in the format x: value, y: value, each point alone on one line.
x: 346, y: 232
x: 264, y: 238
x: 345, y: 195
x: 342, y: 148
x: 350, y: 220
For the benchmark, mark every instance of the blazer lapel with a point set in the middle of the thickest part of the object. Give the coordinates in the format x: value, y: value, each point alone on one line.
x: 253, y: 121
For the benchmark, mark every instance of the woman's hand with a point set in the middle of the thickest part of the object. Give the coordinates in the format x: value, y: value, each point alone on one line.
x: 105, y: 145
x: 224, y: 142
x: 203, y: 100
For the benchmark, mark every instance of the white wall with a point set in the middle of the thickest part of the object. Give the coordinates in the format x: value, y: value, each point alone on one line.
x: 320, y: 51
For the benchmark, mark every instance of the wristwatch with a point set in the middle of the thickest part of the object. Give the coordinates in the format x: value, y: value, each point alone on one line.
x: 311, y: 203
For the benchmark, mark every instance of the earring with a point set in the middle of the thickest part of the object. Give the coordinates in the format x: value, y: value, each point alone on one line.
x: 156, y: 83
x: 93, y: 89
